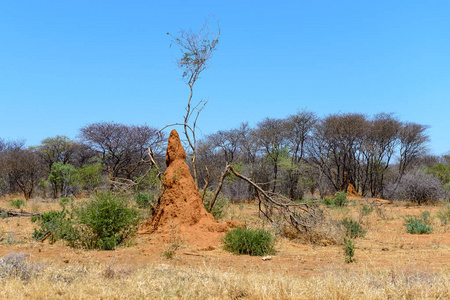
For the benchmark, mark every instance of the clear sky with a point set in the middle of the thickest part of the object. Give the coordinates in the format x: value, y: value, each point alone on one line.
x: 66, y: 64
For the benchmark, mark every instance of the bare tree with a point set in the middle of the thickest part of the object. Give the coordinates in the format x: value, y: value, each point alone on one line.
x: 228, y: 142
x: 22, y: 167
x: 379, y: 147
x: 197, y: 49
x: 336, y: 147
x: 271, y: 137
x: 123, y: 148
x: 413, y: 139
x: 297, y: 129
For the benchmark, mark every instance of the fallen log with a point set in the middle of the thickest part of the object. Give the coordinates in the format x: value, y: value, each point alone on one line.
x: 11, y: 213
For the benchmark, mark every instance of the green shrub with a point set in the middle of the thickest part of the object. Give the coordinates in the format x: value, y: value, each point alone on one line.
x: 145, y: 200
x: 328, y: 201
x: 339, y: 200
x: 64, y: 201
x: 105, y: 221
x: 55, y: 224
x: 349, y: 249
x: 90, y: 176
x: 366, y: 209
x: 418, y: 225
x: 17, y: 203
x: 444, y: 214
x: 257, y: 242
x: 353, y: 229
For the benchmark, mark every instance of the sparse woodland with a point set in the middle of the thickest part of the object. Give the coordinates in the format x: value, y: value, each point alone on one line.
x: 336, y: 205
x: 299, y: 156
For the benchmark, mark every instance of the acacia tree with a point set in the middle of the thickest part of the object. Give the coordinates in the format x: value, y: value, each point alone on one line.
x: 59, y: 149
x: 197, y: 49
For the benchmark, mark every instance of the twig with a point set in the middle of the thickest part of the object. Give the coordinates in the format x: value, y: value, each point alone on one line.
x: 193, y: 254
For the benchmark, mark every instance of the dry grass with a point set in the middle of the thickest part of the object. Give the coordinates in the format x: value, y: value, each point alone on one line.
x: 169, y: 282
x: 390, y: 264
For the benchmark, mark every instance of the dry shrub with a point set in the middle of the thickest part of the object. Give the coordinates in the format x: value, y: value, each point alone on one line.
x: 18, y: 265
x: 416, y: 186
x: 314, y: 226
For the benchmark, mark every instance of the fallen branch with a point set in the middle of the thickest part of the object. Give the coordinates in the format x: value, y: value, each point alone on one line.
x: 303, y: 217
x: 193, y: 254
x: 11, y: 213
x: 219, y: 187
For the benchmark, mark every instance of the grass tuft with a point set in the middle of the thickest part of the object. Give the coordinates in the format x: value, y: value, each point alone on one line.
x: 255, y: 242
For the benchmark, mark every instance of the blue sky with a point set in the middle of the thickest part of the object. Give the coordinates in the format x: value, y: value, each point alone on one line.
x: 66, y: 64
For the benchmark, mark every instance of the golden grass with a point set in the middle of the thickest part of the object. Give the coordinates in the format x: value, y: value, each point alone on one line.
x: 170, y: 282
x: 398, y: 272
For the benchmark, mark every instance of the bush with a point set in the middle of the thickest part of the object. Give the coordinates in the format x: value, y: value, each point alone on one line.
x: 366, y: 209
x: 17, y: 203
x: 444, y: 214
x: 17, y: 265
x: 90, y: 176
x: 313, y: 226
x: 145, y: 200
x: 416, y: 186
x: 353, y: 228
x: 339, y: 200
x: 349, y: 249
x: 257, y: 242
x: 418, y: 225
x: 105, y: 221
x: 328, y: 201
x: 54, y: 224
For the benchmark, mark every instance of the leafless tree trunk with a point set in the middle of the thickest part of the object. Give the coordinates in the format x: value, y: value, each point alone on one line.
x: 197, y: 49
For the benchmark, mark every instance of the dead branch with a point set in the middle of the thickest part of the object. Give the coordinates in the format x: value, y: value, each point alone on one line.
x: 122, y: 184
x: 46, y: 235
x: 260, y: 208
x: 219, y: 187
x: 160, y: 174
x: 304, y: 218
x: 11, y: 213
x: 194, y: 254
x: 206, y: 184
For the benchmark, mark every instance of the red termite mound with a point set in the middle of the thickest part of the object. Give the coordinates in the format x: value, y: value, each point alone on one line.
x: 180, y: 208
